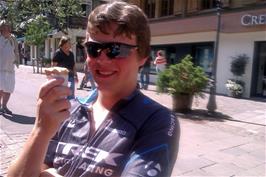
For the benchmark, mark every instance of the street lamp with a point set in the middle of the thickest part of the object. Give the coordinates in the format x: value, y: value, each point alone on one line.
x: 211, y: 106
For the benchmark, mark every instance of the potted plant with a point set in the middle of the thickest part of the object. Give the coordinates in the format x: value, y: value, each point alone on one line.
x: 183, y: 81
x: 236, y: 86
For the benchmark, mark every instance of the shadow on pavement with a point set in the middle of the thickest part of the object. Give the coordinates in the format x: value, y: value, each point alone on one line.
x: 201, y: 114
x: 20, y: 119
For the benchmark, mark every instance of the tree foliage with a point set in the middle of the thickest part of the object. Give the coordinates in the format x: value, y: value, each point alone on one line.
x: 37, y: 31
x: 57, y: 12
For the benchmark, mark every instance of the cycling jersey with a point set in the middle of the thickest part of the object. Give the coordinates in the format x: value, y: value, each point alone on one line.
x: 138, y: 138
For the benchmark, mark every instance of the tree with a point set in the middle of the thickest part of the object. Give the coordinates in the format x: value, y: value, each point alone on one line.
x: 57, y: 12
x: 36, y: 33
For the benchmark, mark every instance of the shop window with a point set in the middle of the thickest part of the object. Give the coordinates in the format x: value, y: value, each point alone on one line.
x: 204, y: 58
x: 167, y: 7
x: 208, y: 4
x: 150, y: 8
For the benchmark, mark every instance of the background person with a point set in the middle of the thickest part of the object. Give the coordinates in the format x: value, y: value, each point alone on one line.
x: 160, y: 61
x: 145, y: 74
x: 9, y: 56
x: 64, y: 57
x: 122, y: 132
x: 87, y: 77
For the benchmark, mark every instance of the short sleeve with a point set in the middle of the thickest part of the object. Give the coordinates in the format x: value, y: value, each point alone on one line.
x: 155, y: 151
x: 56, y: 57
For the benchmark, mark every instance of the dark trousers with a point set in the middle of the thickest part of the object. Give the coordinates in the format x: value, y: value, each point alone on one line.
x: 144, y: 77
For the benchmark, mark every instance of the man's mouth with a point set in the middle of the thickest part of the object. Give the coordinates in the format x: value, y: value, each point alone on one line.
x: 105, y: 73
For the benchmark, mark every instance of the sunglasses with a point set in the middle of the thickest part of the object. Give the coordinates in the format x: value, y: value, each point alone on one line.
x: 113, y: 50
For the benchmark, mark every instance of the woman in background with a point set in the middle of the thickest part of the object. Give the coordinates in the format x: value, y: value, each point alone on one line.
x: 160, y: 61
x: 64, y: 57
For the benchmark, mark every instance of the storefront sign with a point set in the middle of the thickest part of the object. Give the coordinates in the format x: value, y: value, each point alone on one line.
x: 253, y: 20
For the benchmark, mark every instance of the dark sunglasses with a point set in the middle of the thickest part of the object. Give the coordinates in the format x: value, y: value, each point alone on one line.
x: 112, y: 49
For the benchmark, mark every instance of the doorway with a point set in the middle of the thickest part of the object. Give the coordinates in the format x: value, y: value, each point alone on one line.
x: 259, y: 70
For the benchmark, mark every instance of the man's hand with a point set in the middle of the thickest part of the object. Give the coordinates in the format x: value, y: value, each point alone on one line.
x: 51, y: 172
x: 52, y: 107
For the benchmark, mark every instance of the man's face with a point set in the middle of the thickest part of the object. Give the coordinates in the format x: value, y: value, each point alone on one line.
x: 66, y: 46
x: 116, y: 75
x: 5, y: 31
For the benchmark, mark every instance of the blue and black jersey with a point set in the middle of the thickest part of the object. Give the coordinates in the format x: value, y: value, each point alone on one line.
x: 139, y: 138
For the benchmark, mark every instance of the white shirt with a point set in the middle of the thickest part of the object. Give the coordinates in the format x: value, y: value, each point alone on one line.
x: 7, y: 54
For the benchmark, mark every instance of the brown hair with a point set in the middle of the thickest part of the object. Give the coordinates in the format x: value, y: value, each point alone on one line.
x: 130, y: 20
x: 63, y: 40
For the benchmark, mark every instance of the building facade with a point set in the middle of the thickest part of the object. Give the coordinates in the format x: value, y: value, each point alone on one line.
x: 181, y: 27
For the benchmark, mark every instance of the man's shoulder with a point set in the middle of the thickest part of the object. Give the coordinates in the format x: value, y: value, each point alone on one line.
x: 140, y: 108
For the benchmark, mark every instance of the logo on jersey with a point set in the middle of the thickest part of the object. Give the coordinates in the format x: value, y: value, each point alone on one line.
x: 116, y: 131
x: 153, y: 169
x: 91, y: 153
x: 172, y: 125
x: 98, y: 157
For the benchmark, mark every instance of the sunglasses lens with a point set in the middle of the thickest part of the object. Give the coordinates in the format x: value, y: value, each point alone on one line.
x: 113, y: 50
x: 93, y: 49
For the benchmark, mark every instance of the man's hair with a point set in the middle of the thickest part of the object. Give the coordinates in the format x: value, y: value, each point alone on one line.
x: 63, y: 40
x: 130, y: 20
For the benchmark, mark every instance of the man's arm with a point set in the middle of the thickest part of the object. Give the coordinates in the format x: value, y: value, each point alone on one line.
x: 52, y: 110
x: 16, y: 51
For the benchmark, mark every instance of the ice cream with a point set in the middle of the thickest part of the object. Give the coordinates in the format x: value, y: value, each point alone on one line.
x: 55, y: 72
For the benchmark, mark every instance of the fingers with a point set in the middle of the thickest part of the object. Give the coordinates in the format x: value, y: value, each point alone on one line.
x: 46, y: 87
x: 61, y: 116
x: 57, y: 93
x: 53, y: 90
x: 62, y: 105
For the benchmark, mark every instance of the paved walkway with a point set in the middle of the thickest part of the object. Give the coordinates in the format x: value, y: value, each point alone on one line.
x: 229, y: 143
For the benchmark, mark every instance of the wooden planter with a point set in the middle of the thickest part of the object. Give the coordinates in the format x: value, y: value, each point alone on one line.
x: 182, y: 102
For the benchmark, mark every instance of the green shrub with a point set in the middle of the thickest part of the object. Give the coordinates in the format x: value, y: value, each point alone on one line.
x: 182, y: 78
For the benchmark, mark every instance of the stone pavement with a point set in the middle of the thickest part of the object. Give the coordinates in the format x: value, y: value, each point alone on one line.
x: 230, y: 143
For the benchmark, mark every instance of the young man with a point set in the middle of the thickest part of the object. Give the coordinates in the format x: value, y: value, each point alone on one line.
x: 122, y: 132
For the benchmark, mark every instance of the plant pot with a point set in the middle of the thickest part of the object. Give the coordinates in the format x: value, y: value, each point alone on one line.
x: 182, y: 102
x: 234, y: 94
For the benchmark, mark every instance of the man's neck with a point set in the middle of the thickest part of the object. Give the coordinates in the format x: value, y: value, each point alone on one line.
x: 108, y: 100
